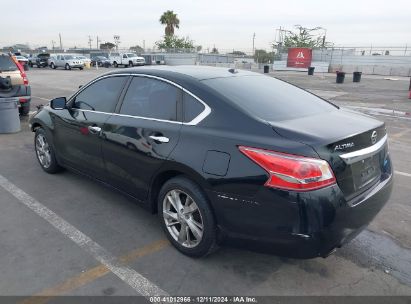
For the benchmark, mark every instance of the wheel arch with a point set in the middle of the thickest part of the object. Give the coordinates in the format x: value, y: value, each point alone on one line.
x: 170, y: 172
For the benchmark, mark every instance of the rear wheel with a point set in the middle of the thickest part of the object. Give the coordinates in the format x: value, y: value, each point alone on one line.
x: 24, y: 110
x: 186, y: 217
x: 45, y: 153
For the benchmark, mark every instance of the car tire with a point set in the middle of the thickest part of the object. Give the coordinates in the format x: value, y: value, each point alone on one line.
x: 67, y: 67
x: 53, y: 66
x: 115, y: 64
x: 203, y: 240
x: 24, y: 111
x: 81, y: 69
x: 45, y: 152
x: 130, y: 64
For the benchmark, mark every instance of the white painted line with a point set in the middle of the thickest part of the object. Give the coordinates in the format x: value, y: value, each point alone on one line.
x: 46, y: 99
x: 403, y: 173
x: 138, y: 282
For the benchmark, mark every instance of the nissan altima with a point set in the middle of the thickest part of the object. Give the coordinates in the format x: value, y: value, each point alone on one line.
x: 220, y: 152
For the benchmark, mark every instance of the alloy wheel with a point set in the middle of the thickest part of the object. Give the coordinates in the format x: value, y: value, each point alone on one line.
x: 43, y: 151
x: 183, y: 218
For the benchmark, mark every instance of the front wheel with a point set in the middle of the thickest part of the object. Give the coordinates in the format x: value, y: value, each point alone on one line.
x: 186, y: 217
x: 67, y: 66
x: 130, y: 64
x: 115, y: 64
x: 45, y: 153
x: 53, y: 66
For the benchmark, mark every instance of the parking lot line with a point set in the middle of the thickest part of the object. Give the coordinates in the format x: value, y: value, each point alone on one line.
x: 134, y: 279
x: 42, y: 98
x: 403, y: 173
x: 91, y: 275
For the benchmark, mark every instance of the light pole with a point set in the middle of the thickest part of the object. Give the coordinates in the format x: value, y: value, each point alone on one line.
x: 253, y: 43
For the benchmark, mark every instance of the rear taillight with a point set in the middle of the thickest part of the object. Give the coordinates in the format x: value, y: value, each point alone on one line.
x: 22, y: 73
x: 291, y: 172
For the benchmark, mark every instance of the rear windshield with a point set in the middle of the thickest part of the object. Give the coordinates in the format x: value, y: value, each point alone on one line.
x: 268, y: 98
x: 7, y: 64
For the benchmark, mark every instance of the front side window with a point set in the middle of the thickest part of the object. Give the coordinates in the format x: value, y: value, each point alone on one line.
x: 150, y: 98
x: 100, y: 96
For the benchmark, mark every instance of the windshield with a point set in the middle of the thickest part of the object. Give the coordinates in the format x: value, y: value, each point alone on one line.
x: 68, y: 57
x: 268, y: 98
x: 131, y: 55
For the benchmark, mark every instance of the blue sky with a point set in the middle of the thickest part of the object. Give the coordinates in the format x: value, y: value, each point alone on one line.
x: 226, y: 24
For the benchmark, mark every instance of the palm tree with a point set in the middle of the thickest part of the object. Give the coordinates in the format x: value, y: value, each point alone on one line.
x: 170, y: 20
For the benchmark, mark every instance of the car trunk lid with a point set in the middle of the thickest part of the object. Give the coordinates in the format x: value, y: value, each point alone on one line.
x: 353, y: 144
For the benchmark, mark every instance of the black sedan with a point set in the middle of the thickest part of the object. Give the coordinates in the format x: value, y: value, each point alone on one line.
x: 100, y: 61
x: 224, y: 153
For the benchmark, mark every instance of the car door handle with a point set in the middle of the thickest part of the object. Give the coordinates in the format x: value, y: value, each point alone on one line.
x: 94, y: 129
x: 161, y: 139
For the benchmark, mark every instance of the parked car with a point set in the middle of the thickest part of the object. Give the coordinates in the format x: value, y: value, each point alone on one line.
x: 84, y: 59
x: 23, y: 61
x: 101, y: 61
x: 232, y: 153
x: 14, y: 83
x: 65, y: 61
x: 126, y: 59
x: 39, y: 60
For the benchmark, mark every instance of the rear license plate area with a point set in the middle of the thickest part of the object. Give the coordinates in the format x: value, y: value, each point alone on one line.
x: 366, y: 171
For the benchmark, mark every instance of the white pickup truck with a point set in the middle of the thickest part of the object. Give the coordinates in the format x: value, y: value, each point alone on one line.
x: 126, y: 59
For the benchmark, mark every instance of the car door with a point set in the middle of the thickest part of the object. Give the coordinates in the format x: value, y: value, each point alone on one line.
x: 141, y: 136
x: 78, y: 131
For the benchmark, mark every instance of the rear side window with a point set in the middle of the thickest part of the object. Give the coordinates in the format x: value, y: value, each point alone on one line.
x: 268, y: 98
x: 192, y: 107
x: 150, y: 98
x: 101, y: 96
x: 7, y: 64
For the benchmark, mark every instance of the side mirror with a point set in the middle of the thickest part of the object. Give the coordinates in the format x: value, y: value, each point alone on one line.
x: 58, y: 103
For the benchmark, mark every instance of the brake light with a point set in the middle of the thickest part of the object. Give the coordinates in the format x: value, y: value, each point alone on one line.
x: 291, y: 172
x: 21, y: 69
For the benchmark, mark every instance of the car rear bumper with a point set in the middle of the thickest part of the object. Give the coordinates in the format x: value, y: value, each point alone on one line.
x: 300, y: 225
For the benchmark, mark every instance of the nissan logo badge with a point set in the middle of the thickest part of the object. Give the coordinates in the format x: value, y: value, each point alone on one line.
x: 374, y: 137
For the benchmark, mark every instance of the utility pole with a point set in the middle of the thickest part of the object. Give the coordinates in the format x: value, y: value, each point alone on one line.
x: 97, y: 42
x: 61, y: 44
x: 89, y: 41
x: 253, y: 43
x: 52, y: 43
x: 144, y: 45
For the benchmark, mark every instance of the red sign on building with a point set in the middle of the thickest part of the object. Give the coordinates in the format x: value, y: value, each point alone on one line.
x: 299, y: 57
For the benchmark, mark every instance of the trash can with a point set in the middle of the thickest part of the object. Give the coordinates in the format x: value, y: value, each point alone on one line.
x: 266, y: 68
x: 9, y: 115
x: 340, y: 77
x: 311, y: 71
x: 356, y: 76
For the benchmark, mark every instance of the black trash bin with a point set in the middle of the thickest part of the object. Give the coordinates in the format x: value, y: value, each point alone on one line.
x: 266, y: 68
x: 340, y: 77
x: 311, y: 71
x: 356, y: 76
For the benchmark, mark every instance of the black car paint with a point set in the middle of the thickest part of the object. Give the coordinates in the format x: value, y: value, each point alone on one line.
x: 298, y: 224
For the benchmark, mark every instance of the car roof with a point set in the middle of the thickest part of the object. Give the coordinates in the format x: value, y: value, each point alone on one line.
x: 191, y: 71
